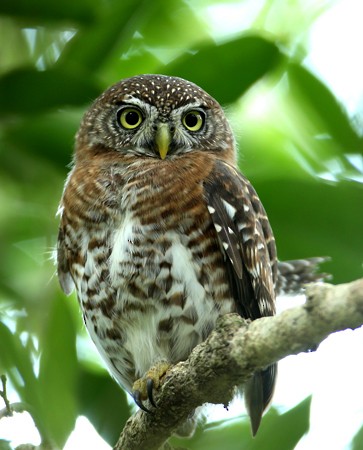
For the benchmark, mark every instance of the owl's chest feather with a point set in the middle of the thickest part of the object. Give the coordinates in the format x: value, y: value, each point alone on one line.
x: 163, y: 283
x: 166, y: 299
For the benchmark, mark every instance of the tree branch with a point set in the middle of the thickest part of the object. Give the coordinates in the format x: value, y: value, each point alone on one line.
x: 237, y: 348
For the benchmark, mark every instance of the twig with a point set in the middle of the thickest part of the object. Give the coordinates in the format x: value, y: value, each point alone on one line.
x: 20, y: 407
x: 7, y: 411
x: 10, y: 408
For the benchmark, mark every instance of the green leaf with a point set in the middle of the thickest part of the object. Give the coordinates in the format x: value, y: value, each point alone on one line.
x: 58, y: 372
x: 50, y: 135
x: 283, y: 431
x: 178, y: 16
x: 104, y: 403
x: 311, y: 218
x: 42, y: 10
x: 15, y: 362
x: 317, y: 99
x: 145, y: 51
x: 91, y: 46
x: 16, y: 54
x: 135, y: 62
x: 241, y: 63
x: 357, y: 443
x: 17, y: 365
x: 5, y: 445
x: 27, y: 91
x: 277, y: 431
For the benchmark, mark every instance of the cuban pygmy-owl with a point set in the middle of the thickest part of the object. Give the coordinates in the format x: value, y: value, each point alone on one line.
x: 160, y: 234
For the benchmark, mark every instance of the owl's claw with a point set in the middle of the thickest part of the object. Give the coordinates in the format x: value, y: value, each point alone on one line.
x: 137, y: 399
x: 150, y: 389
x: 144, y: 387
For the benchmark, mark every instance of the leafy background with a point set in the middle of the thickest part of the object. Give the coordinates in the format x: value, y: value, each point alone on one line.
x: 298, y: 145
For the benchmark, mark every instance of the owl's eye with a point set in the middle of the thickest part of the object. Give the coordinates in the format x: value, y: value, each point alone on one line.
x: 130, y: 118
x: 193, y: 120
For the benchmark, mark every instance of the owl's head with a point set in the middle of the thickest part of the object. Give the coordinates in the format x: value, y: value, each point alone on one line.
x: 155, y: 116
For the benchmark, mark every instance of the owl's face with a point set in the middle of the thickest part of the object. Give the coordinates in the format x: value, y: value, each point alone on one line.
x: 155, y: 116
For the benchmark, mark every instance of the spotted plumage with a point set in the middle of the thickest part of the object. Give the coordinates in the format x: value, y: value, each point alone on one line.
x: 160, y: 234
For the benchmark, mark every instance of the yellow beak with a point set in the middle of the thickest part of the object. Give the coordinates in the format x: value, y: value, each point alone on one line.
x: 163, y: 139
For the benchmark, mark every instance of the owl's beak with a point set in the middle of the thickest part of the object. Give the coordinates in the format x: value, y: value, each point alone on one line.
x: 163, y: 139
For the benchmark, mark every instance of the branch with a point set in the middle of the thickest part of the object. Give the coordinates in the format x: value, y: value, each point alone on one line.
x: 234, y: 350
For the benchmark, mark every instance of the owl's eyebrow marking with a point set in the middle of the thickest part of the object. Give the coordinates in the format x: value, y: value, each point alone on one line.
x: 127, y: 102
x: 196, y: 106
x: 142, y: 104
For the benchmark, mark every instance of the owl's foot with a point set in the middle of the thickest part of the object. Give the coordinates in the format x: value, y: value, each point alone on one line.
x: 143, y: 388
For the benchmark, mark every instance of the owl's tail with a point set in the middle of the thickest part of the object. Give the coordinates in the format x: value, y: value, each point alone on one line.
x: 258, y: 392
x: 293, y: 275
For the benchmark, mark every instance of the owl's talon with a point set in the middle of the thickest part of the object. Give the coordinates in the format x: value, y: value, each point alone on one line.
x: 143, y: 388
x: 150, y: 389
x: 137, y: 399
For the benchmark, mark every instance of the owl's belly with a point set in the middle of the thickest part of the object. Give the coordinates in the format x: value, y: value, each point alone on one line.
x: 165, y: 299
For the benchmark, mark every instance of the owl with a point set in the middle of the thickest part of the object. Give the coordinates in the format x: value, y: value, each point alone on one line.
x: 160, y: 234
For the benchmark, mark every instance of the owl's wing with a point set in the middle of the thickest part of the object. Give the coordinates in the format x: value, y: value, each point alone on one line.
x: 247, y: 241
x: 64, y: 276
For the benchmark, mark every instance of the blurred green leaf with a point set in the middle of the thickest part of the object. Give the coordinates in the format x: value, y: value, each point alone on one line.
x: 58, y: 371
x: 136, y: 61
x: 5, y: 445
x: 357, y: 442
x: 241, y: 62
x: 173, y: 22
x: 283, y: 431
x: 157, y: 23
x: 49, y: 135
x: 14, y: 49
x: 26, y: 91
x: 277, y: 431
x: 312, y: 218
x: 104, y: 403
x: 16, y: 363
x: 37, y: 11
x: 91, y: 46
x: 318, y: 100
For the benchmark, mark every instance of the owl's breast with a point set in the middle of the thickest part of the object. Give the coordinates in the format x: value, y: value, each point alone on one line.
x: 153, y: 287
x: 171, y: 288
x: 165, y: 245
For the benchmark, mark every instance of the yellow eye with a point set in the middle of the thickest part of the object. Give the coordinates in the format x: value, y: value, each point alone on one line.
x: 130, y: 118
x: 193, y: 120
